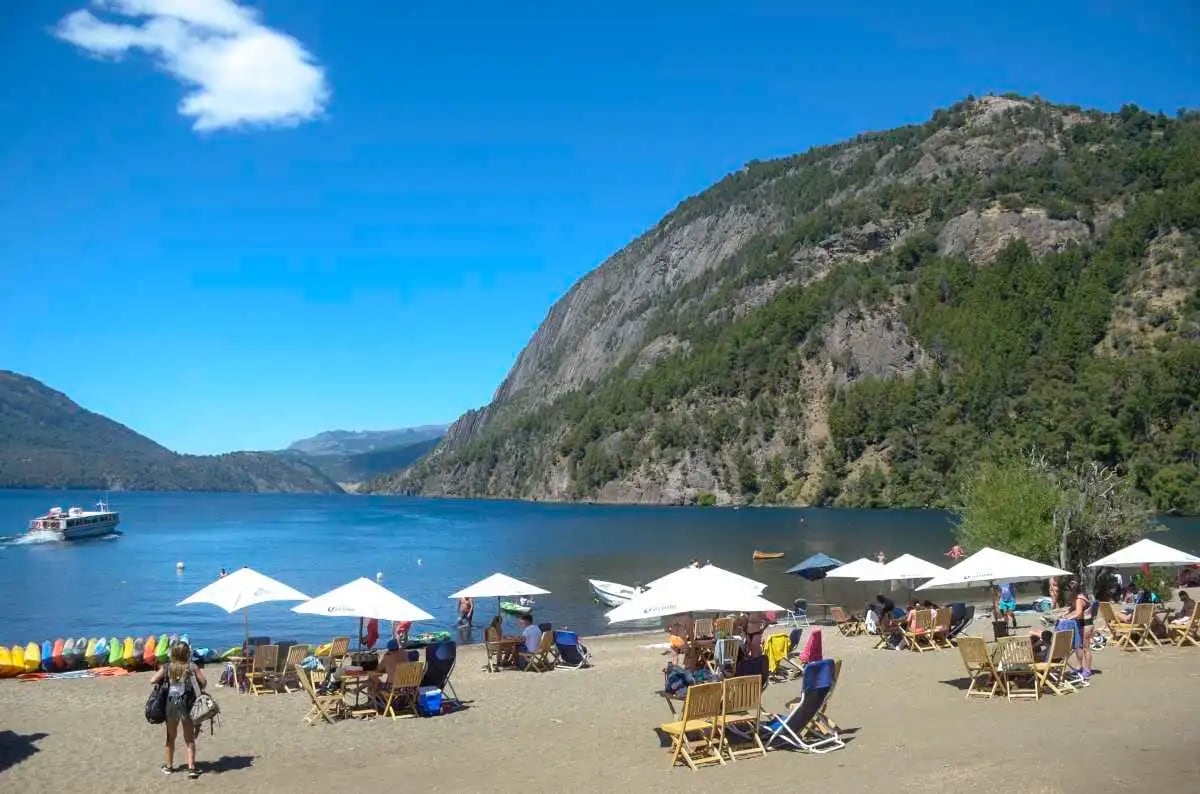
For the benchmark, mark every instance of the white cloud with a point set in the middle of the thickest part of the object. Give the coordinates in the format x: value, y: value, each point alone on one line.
x: 239, y: 72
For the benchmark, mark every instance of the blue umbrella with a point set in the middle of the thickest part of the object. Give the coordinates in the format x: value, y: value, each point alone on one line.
x: 815, y: 567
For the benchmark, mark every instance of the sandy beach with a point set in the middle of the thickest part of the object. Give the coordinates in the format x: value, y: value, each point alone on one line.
x: 909, y: 728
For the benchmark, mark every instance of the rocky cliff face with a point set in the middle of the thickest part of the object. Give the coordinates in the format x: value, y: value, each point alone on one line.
x: 703, y: 360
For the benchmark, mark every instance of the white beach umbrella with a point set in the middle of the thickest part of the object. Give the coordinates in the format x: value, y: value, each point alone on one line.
x: 241, y: 589
x: 363, y: 599
x: 498, y: 586
x: 853, y: 570
x: 990, y: 566
x: 714, y: 573
x: 707, y: 589
x: 1146, y: 552
x: 906, y: 566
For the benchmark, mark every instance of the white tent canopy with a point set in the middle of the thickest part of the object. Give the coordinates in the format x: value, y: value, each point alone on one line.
x: 707, y: 589
x: 990, y: 566
x: 906, y: 566
x: 853, y: 570
x: 244, y: 587
x: 713, y: 573
x: 363, y: 598
x: 499, y: 585
x: 1145, y: 552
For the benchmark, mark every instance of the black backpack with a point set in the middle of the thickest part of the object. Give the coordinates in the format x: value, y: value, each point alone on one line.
x: 156, y: 704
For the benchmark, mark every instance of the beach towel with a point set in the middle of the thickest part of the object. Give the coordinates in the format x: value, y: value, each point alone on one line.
x: 812, y: 648
x: 776, y: 649
x: 818, y: 674
x: 1073, y: 627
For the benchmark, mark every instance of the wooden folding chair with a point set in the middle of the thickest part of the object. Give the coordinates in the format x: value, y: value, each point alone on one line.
x: 741, y: 714
x: 941, y: 628
x: 1053, y: 672
x: 725, y: 655
x: 264, y: 669
x: 541, y: 660
x: 723, y: 627
x: 703, y: 629
x: 920, y: 639
x: 1182, y: 634
x: 326, y: 707
x: 1015, y: 663
x: 400, y: 689
x: 890, y: 629
x: 287, y: 673
x: 980, y: 667
x: 339, y: 648
x: 697, y: 736
x: 1143, y: 626
x: 847, y: 625
x: 1122, y: 631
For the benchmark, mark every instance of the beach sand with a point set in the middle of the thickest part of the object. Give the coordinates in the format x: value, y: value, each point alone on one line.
x: 909, y: 729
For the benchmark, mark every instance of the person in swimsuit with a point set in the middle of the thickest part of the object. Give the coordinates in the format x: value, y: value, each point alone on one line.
x: 1083, y: 612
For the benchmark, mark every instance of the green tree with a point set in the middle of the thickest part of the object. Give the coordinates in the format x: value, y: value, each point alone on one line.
x: 1010, y: 505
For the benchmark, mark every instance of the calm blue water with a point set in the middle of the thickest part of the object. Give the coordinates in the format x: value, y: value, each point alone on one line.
x: 426, y: 549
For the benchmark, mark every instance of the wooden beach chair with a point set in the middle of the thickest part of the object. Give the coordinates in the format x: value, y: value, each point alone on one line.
x: 1053, y: 673
x: 1182, y: 634
x: 890, y: 629
x: 1015, y: 663
x: 287, y: 673
x: 941, y: 628
x: 725, y: 655
x: 1122, y: 631
x: 541, y: 660
x: 696, y: 737
x: 741, y: 714
x: 400, y: 690
x: 981, y: 670
x: 920, y: 639
x: 264, y: 669
x: 703, y: 629
x: 339, y: 648
x: 1143, y: 623
x: 723, y: 627
x: 327, y: 707
x: 847, y: 625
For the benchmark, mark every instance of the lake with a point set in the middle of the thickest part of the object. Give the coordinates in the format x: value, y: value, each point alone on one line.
x: 425, y: 549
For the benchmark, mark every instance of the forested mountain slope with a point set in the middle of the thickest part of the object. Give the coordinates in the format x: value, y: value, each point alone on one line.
x: 861, y: 323
x: 48, y: 441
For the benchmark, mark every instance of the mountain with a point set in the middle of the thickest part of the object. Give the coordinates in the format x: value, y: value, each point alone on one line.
x: 862, y: 323
x: 353, y: 442
x: 47, y: 441
x: 349, y: 470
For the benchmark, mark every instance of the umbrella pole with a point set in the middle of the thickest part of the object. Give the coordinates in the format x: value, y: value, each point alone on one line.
x: 246, y: 628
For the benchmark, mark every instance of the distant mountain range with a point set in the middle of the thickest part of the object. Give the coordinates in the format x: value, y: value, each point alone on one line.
x: 48, y: 441
x: 354, y: 442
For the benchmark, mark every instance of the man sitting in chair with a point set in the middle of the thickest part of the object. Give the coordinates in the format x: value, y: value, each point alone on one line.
x: 531, y: 635
x: 1185, y: 610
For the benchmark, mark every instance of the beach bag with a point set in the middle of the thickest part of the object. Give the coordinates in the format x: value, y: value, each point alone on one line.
x: 156, y: 704
x: 203, y: 707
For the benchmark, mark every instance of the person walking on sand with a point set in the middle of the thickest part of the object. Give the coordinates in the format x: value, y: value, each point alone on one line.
x: 180, y: 674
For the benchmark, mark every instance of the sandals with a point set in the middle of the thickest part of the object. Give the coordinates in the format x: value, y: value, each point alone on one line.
x: 166, y: 770
x: 193, y: 774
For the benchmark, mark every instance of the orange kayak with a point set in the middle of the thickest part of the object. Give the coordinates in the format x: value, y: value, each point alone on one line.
x: 767, y: 555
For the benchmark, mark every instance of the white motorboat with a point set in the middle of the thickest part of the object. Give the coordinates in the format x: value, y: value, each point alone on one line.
x: 611, y: 593
x: 76, y: 523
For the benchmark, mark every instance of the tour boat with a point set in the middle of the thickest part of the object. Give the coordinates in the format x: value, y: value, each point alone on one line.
x: 611, y: 593
x: 767, y: 555
x: 76, y: 523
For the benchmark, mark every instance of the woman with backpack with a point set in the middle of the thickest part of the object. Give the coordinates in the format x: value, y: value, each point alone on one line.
x: 180, y: 673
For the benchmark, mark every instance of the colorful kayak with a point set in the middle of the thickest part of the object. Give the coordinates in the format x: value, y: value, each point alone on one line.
x: 115, y: 656
x: 81, y: 644
x: 57, y: 654
x: 47, y: 664
x: 162, y: 648
x: 89, y: 653
x: 767, y: 555
x: 33, y: 657
x: 17, y: 655
x: 130, y: 652
x: 149, y: 657
x: 6, y: 665
x: 515, y: 609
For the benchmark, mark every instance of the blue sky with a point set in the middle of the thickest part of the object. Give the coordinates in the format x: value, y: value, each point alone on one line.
x: 357, y: 213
